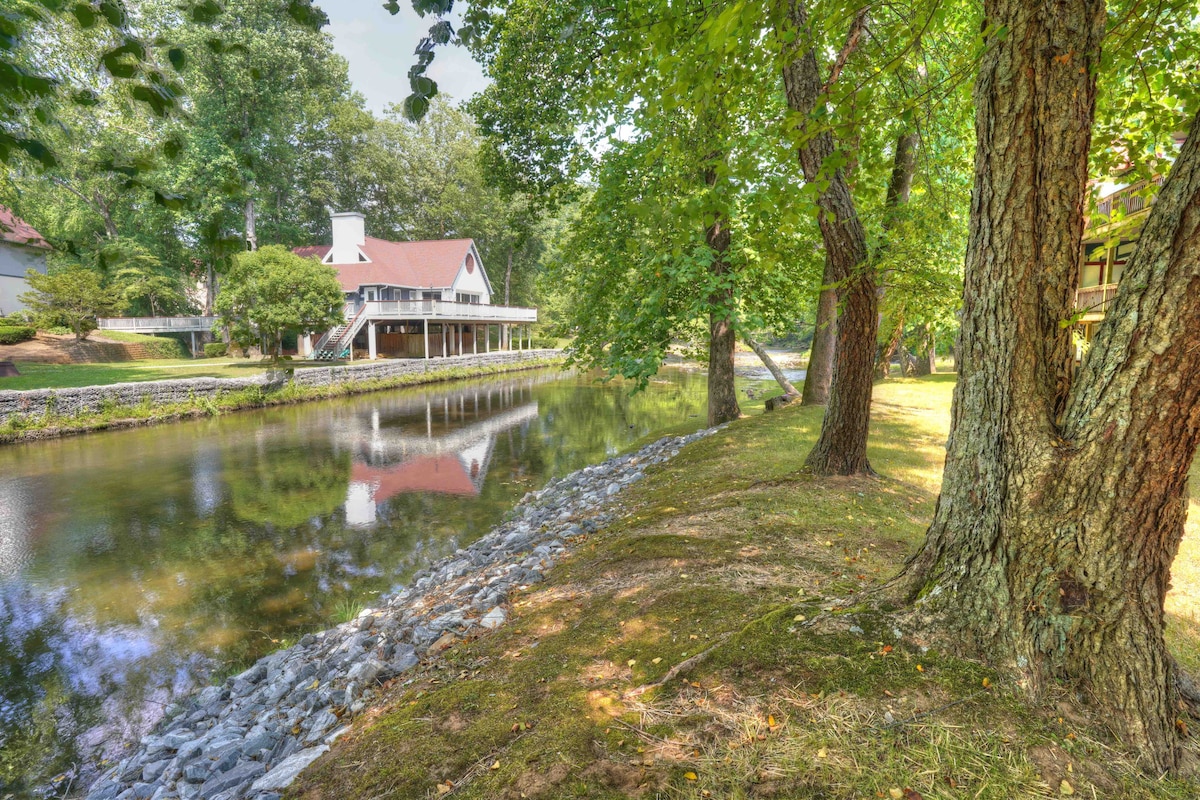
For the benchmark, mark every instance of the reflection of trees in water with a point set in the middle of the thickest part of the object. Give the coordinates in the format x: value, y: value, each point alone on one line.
x: 286, y: 486
x: 70, y: 690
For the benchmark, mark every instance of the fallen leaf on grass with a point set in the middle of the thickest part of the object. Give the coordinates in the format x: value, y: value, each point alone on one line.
x: 495, y: 765
x: 1066, y: 788
x: 822, y: 753
x: 444, y: 788
x: 691, y: 776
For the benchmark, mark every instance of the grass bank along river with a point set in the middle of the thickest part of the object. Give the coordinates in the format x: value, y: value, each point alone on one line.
x: 48, y: 413
x: 136, y: 565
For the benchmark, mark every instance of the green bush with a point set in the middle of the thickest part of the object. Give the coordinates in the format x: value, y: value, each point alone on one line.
x: 215, y: 350
x: 15, y: 334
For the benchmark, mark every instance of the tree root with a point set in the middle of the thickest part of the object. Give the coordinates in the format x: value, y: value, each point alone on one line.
x: 675, y: 671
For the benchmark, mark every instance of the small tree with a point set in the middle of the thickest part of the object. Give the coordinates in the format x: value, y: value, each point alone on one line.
x: 139, y: 275
x: 273, y: 291
x: 73, y: 297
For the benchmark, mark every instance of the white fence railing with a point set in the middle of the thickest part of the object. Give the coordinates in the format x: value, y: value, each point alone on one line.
x: 156, y: 324
x: 445, y: 309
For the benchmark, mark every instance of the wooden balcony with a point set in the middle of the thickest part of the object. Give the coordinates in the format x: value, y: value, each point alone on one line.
x: 437, y: 310
x: 1130, y: 199
x: 1095, y: 300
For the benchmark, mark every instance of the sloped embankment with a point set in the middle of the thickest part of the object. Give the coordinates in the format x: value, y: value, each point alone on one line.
x: 673, y: 654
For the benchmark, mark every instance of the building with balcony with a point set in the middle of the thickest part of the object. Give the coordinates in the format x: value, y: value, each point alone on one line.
x: 1108, y: 242
x: 412, y: 299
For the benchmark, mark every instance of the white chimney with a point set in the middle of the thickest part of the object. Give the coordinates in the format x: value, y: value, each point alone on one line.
x: 349, y: 232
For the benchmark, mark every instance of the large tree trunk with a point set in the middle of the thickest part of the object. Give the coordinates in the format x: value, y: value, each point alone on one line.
x: 904, y: 168
x: 927, y: 360
x: 210, y: 289
x: 771, y: 366
x: 841, y: 448
x: 508, y: 275
x: 251, y: 225
x: 819, y: 374
x: 1062, y: 507
x: 883, y: 362
x: 722, y: 339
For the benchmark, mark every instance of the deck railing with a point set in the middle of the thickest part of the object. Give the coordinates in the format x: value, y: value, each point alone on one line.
x: 446, y: 309
x: 1130, y: 198
x: 1095, y: 299
x: 156, y: 324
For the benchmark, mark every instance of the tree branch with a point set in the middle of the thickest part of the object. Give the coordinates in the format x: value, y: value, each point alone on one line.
x: 857, y: 27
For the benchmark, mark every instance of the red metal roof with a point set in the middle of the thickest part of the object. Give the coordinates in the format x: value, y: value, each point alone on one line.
x: 17, y: 231
x: 432, y: 264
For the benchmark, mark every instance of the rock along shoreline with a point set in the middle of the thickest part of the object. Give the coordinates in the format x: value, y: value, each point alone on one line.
x: 251, y: 736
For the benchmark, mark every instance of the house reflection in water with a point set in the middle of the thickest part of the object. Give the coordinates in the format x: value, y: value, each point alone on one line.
x: 442, y: 446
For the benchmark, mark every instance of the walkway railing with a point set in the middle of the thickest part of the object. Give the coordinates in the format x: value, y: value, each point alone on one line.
x: 157, y: 324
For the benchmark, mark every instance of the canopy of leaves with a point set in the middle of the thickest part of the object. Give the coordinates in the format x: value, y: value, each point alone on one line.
x: 273, y: 291
x: 73, y: 297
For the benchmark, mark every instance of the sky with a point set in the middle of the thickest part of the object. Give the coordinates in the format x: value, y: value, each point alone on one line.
x: 380, y: 49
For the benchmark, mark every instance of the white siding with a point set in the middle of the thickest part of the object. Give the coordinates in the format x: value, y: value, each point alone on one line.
x: 471, y: 282
x: 14, y: 261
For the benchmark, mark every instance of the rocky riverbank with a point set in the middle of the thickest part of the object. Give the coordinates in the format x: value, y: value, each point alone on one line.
x: 252, y: 735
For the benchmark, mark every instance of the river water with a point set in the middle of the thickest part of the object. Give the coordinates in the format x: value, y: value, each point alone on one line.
x: 136, y: 565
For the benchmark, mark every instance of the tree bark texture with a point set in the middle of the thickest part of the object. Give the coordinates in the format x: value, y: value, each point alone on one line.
x: 722, y: 338
x: 1062, y: 506
x: 771, y: 366
x: 841, y: 448
x: 819, y: 374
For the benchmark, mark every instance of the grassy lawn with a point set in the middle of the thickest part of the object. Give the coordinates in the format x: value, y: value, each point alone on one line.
x: 727, y: 551
x: 60, y: 376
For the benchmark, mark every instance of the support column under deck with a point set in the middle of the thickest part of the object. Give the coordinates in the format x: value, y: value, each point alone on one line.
x: 425, y: 323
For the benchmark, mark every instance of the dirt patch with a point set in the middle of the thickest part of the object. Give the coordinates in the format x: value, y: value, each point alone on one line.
x: 49, y: 348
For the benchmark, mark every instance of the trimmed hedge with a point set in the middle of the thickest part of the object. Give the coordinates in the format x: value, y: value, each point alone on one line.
x: 215, y: 350
x: 16, y: 334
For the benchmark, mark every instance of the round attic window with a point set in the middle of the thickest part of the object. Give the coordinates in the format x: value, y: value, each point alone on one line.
x: 470, y: 262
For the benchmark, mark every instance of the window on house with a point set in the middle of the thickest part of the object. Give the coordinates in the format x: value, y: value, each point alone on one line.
x: 1121, y: 255
x: 1094, y: 257
x: 463, y: 297
x: 431, y: 295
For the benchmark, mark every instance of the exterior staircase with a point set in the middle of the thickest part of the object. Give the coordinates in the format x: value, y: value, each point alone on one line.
x: 336, y: 344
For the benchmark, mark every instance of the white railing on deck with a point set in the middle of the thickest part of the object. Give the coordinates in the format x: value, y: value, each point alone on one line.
x: 446, y: 309
x: 156, y: 324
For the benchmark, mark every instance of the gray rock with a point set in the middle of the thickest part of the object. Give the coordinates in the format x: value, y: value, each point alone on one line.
x: 494, y: 618
x: 153, y: 770
x: 367, y: 671
x: 286, y: 771
x: 239, y: 776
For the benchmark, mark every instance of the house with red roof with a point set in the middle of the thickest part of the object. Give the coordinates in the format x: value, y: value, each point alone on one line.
x: 412, y: 299
x: 21, y: 249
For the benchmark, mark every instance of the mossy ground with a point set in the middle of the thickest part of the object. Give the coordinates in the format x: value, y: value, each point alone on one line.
x: 729, y: 552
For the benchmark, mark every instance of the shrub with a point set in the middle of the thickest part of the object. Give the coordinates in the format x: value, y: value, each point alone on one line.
x: 215, y: 350
x: 15, y: 334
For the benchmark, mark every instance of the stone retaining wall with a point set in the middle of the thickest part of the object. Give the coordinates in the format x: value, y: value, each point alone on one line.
x: 36, y: 403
